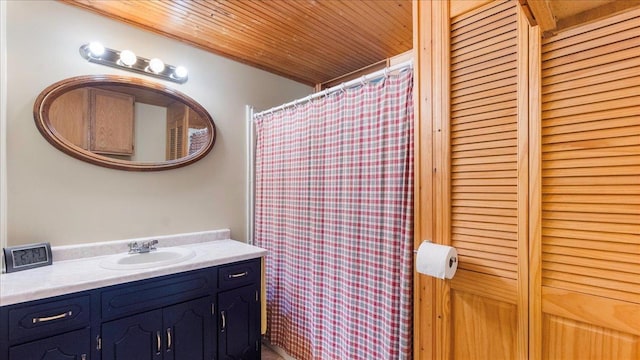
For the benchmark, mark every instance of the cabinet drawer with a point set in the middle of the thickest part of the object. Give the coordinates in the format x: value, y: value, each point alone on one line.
x: 239, y: 274
x: 41, y: 319
x: 72, y: 345
x: 151, y: 294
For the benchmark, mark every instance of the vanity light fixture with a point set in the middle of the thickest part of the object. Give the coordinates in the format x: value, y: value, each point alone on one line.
x: 127, y: 60
x: 180, y: 72
x: 156, y: 65
x: 96, y: 49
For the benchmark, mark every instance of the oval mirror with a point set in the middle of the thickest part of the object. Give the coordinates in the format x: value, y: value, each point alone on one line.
x: 124, y: 123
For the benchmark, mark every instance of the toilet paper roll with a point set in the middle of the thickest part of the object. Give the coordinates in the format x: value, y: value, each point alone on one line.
x: 437, y: 260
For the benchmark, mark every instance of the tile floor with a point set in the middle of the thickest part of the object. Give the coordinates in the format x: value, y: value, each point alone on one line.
x: 268, y: 354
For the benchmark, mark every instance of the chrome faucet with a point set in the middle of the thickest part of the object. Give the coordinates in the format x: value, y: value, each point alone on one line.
x: 145, y: 247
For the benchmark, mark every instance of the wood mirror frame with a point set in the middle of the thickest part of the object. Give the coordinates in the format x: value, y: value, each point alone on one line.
x: 130, y: 87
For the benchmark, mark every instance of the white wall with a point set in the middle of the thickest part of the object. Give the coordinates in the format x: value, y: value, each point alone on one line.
x: 54, y: 197
x: 3, y: 127
x: 150, y: 131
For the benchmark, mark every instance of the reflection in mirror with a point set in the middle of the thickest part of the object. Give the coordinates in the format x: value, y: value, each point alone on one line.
x: 124, y: 123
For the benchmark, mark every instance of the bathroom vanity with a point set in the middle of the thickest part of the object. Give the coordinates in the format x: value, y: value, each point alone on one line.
x: 207, y: 307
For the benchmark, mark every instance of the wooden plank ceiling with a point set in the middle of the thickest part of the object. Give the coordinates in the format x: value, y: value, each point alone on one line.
x: 310, y: 41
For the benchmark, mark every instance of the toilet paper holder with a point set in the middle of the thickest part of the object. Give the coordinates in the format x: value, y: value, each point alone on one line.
x: 415, y: 251
x: 451, y: 261
x: 436, y: 260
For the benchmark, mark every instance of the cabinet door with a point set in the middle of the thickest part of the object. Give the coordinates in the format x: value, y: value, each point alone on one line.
x: 69, y: 115
x: 73, y: 345
x: 135, y: 337
x: 188, y: 330
x: 587, y: 258
x: 112, y: 122
x: 239, y: 335
x: 477, y: 201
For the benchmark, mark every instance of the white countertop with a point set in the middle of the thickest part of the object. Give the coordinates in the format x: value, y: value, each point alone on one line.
x: 84, y: 273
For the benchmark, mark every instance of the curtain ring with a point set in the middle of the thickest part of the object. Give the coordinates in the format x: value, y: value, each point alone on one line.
x: 363, y: 80
x: 342, y: 88
x: 386, y: 72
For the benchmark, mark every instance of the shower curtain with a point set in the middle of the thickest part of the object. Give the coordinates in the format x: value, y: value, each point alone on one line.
x: 334, y: 208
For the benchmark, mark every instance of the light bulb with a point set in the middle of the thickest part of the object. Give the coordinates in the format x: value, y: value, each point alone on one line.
x: 180, y: 72
x: 156, y: 65
x: 96, y: 49
x: 127, y: 57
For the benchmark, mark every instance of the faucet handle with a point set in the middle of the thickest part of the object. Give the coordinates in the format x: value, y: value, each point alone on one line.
x: 133, y: 246
x: 150, y: 245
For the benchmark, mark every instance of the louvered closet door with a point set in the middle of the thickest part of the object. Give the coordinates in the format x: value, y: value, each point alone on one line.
x: 591, y: 191
x: 488, y: 294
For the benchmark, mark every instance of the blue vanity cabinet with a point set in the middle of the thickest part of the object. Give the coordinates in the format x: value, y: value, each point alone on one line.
x: 52, y: 329
x: 182, y: 316
x: 74, y: 345
x: 179, y: 332
x: 239, y: 310
x: 133, y: 337
x: 188, y: 330
x: 165, y: 318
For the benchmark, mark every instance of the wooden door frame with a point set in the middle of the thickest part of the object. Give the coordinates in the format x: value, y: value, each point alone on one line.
x: 526, y: 98
x: 424, y: 287
x: 432, y: 185
x: 535, y: 194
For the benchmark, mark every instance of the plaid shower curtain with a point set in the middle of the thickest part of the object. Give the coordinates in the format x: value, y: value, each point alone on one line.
x: 334, y: 208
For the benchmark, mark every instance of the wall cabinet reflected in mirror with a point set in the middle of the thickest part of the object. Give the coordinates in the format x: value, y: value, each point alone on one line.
x: 124, y: 123
x: 96, y: 120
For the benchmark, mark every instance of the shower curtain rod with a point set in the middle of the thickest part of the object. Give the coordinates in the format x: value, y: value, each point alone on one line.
x: 344, y: 85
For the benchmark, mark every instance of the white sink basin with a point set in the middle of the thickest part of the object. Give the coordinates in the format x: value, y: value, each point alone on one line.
x: 159, y: 257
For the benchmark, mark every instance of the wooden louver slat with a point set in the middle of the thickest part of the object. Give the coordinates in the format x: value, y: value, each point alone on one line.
x: 484, y: 135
